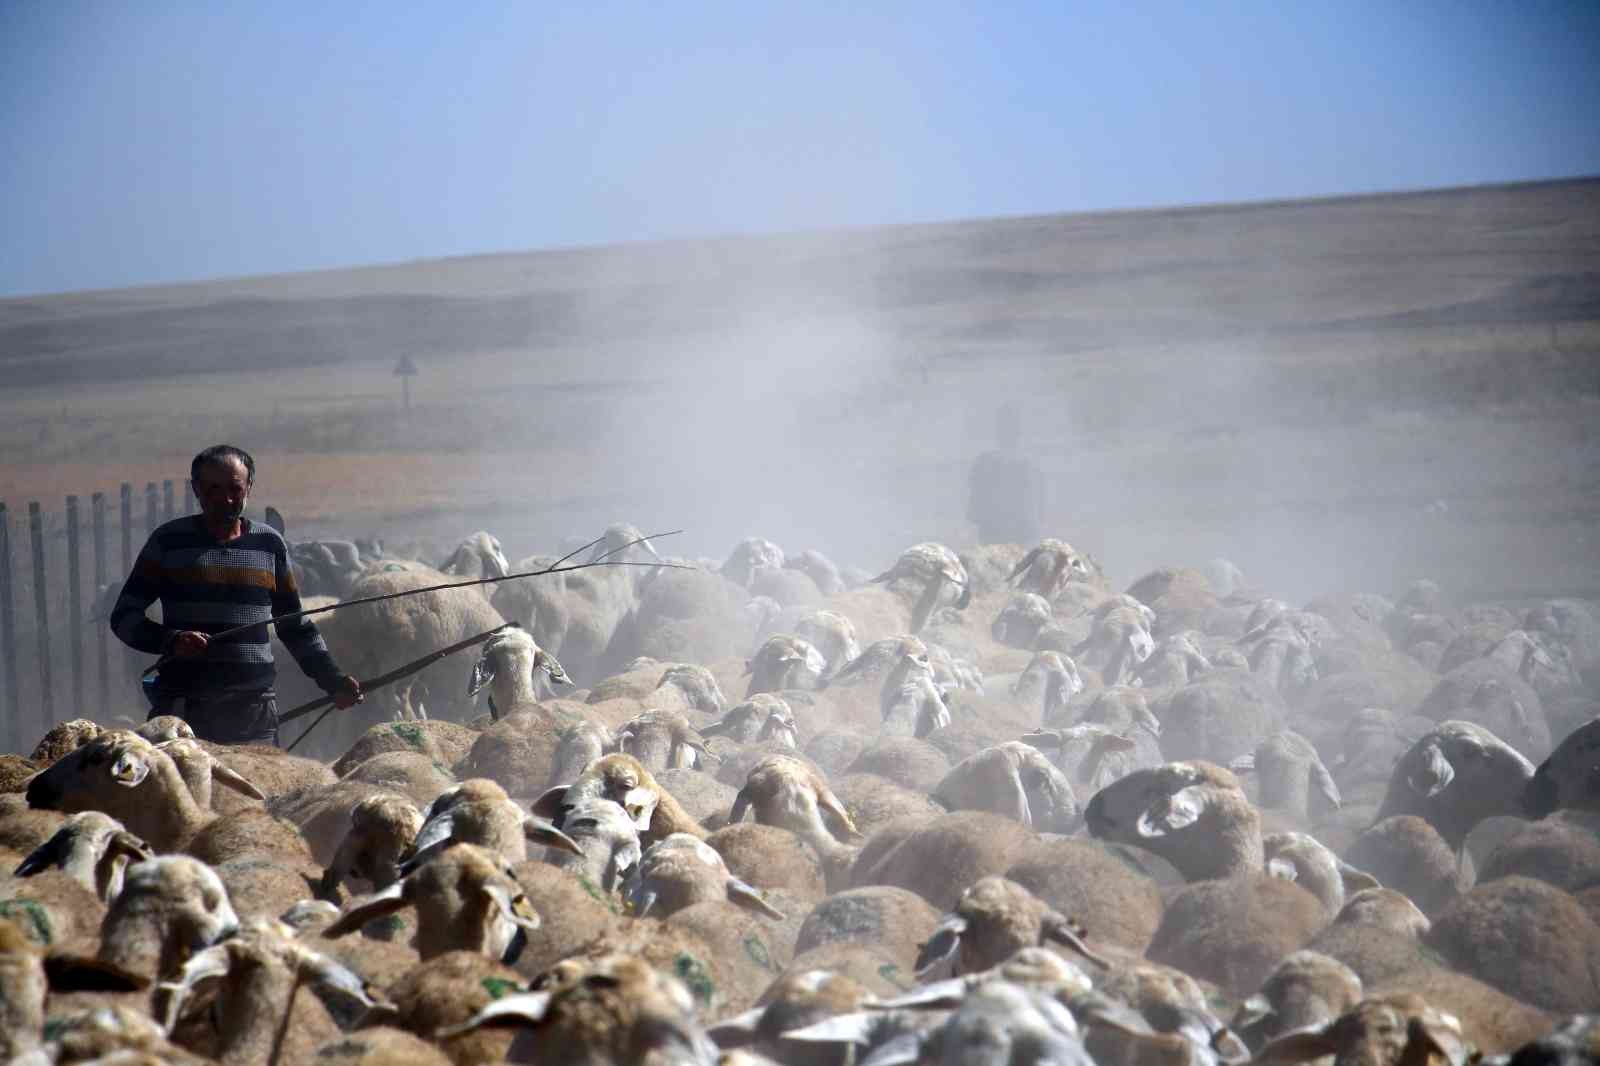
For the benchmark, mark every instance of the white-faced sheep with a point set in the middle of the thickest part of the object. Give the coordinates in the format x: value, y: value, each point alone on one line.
x: 785, y: 662
x: 383, y: 829
x: 1391, y: 1030
x: 467, y: 899
x: 1019, y: 622
x: 607, y: 840
x: 1049, y: 681
x: 478, y: 811
x: 789, y: 793
x: 516, y: 671
x: 764, y: 717
x: 93, y: 849
x: 623, y: 780
x: 932, y: 576
x: 662, y: 740
x: 1290, y: 776
x: 1048, y: 568
x: 1306, y: 989
x: 169, y: 907
x: 1014, y: 780
x: 993, y: 920
x: 681, y: 871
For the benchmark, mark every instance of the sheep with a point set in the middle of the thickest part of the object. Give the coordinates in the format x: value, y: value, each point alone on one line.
x: 913, y: 705
x: 1020, y: 621
x: 477, y: 556
x: 1292, y: 776
x: 115, y: 1035
x: 579, y: 744
x: 689, y: 687
x: 93, y: 849
x: 822, y: 570
x: 608, y: 1011
x: 409, y: 773
x: 446, y: 743
x: 1564, y: 852
x: 939, y: 859
x: 169, y: 906
x: 793, y: 1001
x: 467, y: 899
x: 1048, y: 568
x: 749, y: 558
x: 608, y: 844
x: 1306, y: 989
x: 1567, y: 777
x: 1282, y: 654
x: 382, y: 829
x: 370, y: 638
x: 200, y: 770
x: 1193, y: 814
x: 785, y: 662
x: 662, y: 740
x: 1378, y: 935
x: 1455, y: 777
x: 877, y: 661
x: 935, y: 576
x: 1098, y: 884
x: 1494, y: 697
x: 1407, y: 854
x: 762, y: 718
x: 478, y: 811
x: 1050, y: 680
x: 1014, y: 780
x: 1525, y: 937
x: 681, y: 871
x: 512, y: 666
x: 624, y: 780
x: 62, y: 738
x: 1379, y: 1031
x: 1234, y: 931
x: 786, y: 792
x: 832, y: 634
x: 994, y: 919
x: 1308, y: 863
x: 256, y: 1015
x: 445, y: 991
x: 774, y: 860
x: 1118, y: 641
x: 1224, y: 713
x: 1175, y: 661
x: 130, y: 779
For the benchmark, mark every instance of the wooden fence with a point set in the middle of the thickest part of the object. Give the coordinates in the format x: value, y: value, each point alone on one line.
x: 58, y: 659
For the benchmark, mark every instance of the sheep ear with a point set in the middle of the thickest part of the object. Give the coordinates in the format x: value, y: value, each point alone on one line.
x: 543, y: 831
x: 1356, y: 880
x: 741, y: 803
x: 1027, y: 561
x: 749, y: 897
x: 1043, y: 738
x: 1252, y: 1010
x: 1301, y: 1045
x: 46, y: 856
x: 1016, y: 799
x: 330, y: 976
x: 834, y: 811
x: 1103, y: 746
x: 1064, y: 932
x: 211, y: 963
x: 736, y: 1031
x: 901, y: 1050
x: 378, y: 905
x: 1434, y: 776
x: 1327, y: 788
x: 482, y: 674
x: 221, y: 775
x: 130, y: 770
x: 1181, y: 809
x: 543, y: 660
x: 932, y: 995
x: 274, y: 519
x: 1438, y: 1038
x: 518, y: 911
x: 942, y: 944
x: 522, y: 1009
x: 549, y: 803
x: 856, y: 1028
x: 436, y: 834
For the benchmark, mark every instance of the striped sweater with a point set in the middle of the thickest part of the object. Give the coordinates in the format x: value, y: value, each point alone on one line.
x: 208, y: 586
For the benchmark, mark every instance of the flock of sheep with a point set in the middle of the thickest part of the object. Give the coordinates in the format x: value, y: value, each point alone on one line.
x: 979, y: 808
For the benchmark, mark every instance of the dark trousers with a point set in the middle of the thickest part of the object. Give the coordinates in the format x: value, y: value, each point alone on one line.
x: 232, y: 718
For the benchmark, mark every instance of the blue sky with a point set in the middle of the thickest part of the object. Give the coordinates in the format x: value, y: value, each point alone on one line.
x: 150, y: 142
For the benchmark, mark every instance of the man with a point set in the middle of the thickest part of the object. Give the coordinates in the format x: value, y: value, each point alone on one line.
x: 1005, y: 488
x: 214, y: 571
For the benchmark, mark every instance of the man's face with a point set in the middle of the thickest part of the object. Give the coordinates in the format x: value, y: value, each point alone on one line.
x: 222, y: 489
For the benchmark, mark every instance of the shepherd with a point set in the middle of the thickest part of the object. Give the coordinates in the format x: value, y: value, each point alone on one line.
x: 216, y: 571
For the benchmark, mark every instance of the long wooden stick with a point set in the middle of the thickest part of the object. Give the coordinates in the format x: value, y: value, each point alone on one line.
x: 553, y: 568
x: 397, y: 674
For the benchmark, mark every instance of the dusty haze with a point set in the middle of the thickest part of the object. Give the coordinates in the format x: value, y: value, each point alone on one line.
x: 1337, y: 395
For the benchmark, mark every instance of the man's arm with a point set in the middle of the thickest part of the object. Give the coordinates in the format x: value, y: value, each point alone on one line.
x: 300, y: 636
x: 143, y: 587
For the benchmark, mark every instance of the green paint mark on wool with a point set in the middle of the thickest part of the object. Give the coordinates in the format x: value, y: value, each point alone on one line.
x: 411, y: 734
x: 499, y: 987
x: 689, y: 970
x: 31, y: 917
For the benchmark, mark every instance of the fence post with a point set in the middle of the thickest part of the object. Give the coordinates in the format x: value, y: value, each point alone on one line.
x: 152, y: 508
x: 8, y: 634
x: 75, y: 604
x: 168, y: 503
x: 41, y: 605
x: 97, y: 511
x: 127, y: 528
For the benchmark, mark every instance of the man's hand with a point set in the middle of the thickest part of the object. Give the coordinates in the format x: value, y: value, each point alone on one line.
x: 189, y: 644
x: 348, y: 693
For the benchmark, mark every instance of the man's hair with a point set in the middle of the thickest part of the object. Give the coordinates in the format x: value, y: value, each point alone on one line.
x: 221, y: 453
